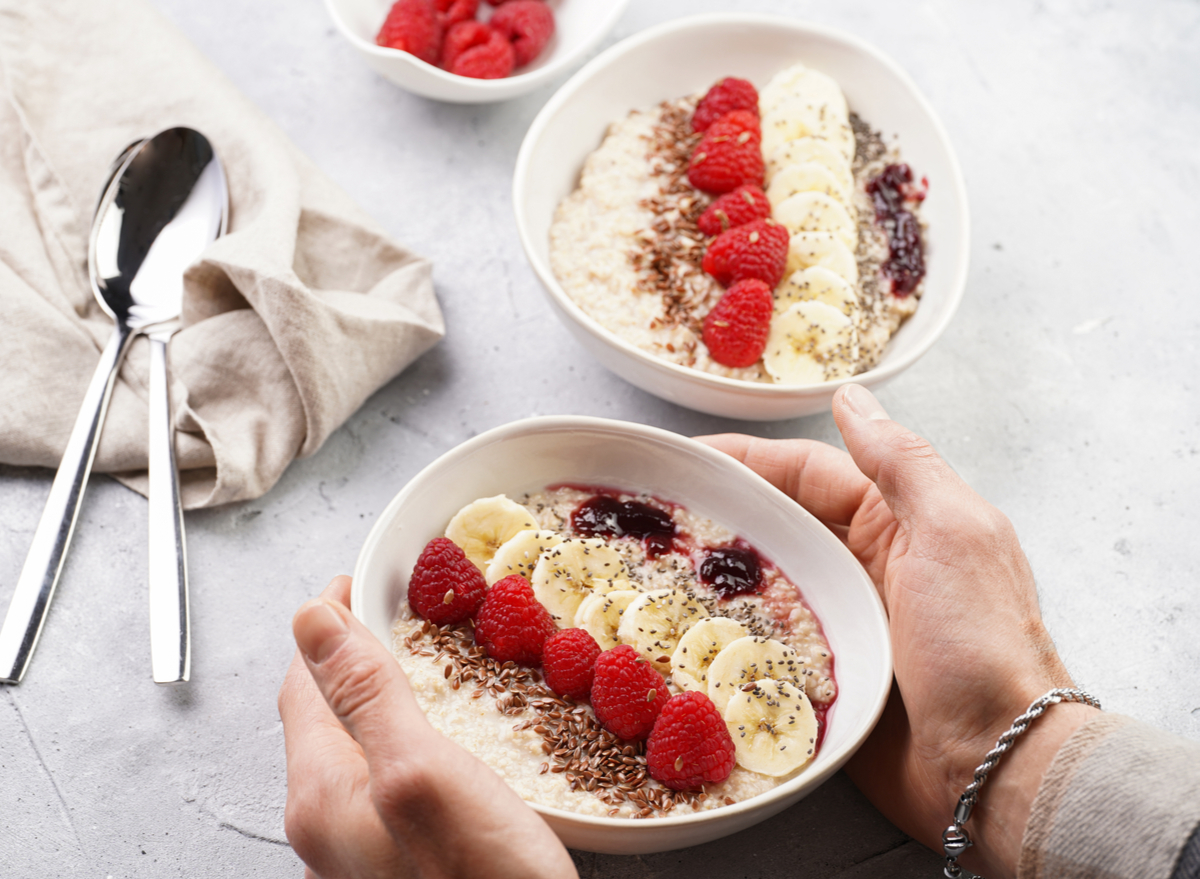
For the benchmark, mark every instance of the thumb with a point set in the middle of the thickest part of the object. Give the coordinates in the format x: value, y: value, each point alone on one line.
x: 359, y: 678
x: 914, y: 480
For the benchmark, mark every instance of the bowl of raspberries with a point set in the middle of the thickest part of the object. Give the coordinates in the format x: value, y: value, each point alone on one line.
x: 652, y: 645
x: 739, y: 213
x: 473, y: 51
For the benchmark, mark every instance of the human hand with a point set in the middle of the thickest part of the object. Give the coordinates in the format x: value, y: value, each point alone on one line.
x: 373, y: 790
x: 969, y: 646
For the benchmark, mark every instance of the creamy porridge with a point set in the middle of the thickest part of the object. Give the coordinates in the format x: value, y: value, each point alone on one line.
x: 626, y: 246
x: 552, y: 750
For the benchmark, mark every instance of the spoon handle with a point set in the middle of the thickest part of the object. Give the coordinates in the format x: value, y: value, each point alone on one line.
x: 170, y: 630
x: 39, y: 576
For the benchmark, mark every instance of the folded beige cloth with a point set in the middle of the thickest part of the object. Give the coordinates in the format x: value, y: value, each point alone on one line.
x: 291, y: 320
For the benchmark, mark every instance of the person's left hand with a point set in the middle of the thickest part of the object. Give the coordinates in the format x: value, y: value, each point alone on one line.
x: 373, y: 790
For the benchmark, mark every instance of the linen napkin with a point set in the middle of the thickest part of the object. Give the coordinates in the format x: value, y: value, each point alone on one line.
x: 291, y: 320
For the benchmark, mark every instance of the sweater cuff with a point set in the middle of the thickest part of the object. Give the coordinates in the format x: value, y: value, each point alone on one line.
x: 1120, y: 799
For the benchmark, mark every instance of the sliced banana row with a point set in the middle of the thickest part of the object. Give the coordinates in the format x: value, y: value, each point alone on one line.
x: 809, y: 147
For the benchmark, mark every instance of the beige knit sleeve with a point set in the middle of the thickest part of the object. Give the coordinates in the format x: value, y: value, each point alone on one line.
x: 1119, y: 801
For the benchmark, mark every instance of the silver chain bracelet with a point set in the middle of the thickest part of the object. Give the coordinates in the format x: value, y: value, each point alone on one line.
x: 955, y: 839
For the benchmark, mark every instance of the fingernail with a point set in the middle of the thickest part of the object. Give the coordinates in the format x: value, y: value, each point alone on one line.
x: 862, y: 403
x: 319, y: 630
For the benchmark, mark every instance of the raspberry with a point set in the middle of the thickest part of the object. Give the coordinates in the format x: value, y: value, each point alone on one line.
x: 454, y: 11
x: 462, y: 36
x: 413, y: 26
x: 735, y: 331
x: 569, y: 663
x: 512, y: 624
x: 727, y: 95
x: 627, y: 693
x: 445, y: 586
x: 744, y: 205
x: 527, y: 24
x: 753, y: 250
x: 741, y: 125
x: 476, y: 50
x: 690, y: 745
x: 729, y: 155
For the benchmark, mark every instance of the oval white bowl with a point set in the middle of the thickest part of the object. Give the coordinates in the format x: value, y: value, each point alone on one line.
x: 532, y: 454
x: 579, y: 27
x: 687, y: 56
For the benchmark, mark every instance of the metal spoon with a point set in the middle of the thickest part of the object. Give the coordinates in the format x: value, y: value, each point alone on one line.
x: 164, y: 203
x: 202, y: 218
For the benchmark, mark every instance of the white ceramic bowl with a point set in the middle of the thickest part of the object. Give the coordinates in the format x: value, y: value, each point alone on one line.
x: 686, y: 56
x: 580, y: 25
x: 532, y: 454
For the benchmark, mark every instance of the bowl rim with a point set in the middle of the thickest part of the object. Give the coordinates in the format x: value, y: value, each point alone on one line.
x: 889, y: 368
x: 565, y: 423
x: 497, y: 88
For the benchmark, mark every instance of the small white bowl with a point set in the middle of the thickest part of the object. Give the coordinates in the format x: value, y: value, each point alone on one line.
x: 533, y: 454
x: 687, y: 56
x: 580, y: 25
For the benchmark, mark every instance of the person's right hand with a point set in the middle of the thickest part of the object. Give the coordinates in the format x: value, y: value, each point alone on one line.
x: 970, y: 649
x: 374, y: 791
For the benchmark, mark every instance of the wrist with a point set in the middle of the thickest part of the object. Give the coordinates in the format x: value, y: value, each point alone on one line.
x: 998, y: 820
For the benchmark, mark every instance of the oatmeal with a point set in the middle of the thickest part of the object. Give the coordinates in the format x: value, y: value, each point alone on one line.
x: 628, y: 247
x: 684, y: 595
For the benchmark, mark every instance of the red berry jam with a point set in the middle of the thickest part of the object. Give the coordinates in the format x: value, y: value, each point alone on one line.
x: 608, y: 517
x: 891, y: 191
x: 732, y: 571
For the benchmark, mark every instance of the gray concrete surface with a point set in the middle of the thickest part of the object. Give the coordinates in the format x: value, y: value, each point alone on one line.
x: 1065, y: 391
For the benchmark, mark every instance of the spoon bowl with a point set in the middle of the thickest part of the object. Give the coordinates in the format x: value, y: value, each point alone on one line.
x: 167, y: 201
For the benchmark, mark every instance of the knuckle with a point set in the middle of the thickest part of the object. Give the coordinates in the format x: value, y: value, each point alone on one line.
x: 404, y: 790
x: 908, y: 446
x: 355, y: 685
x: 302, y: 822
x: 905, y: 453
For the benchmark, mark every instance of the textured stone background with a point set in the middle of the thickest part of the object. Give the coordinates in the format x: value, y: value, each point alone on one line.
x: 1065, y: 391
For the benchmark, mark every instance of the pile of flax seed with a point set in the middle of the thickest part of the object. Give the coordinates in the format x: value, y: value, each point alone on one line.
x: 669, y: 253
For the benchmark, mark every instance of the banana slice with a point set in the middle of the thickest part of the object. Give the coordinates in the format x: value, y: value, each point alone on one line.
x: 569, y: 572
x: 808, y: 177
x: 773, y: 725
x: 819, y: 285
x: 654, y: 623
x: 798, y: 79
x: 600, y: 614
x: 797, y: 118
x: 810, y: 149
x: 750, y: 659
x: 806, y: 249
x: 697, y: 649
x: 816, y: 212
x: 810, y: 343
x: 519, y: 554
x: 483, y: 526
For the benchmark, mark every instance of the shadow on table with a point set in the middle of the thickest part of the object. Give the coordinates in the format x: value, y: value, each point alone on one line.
x: 834, y: 833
